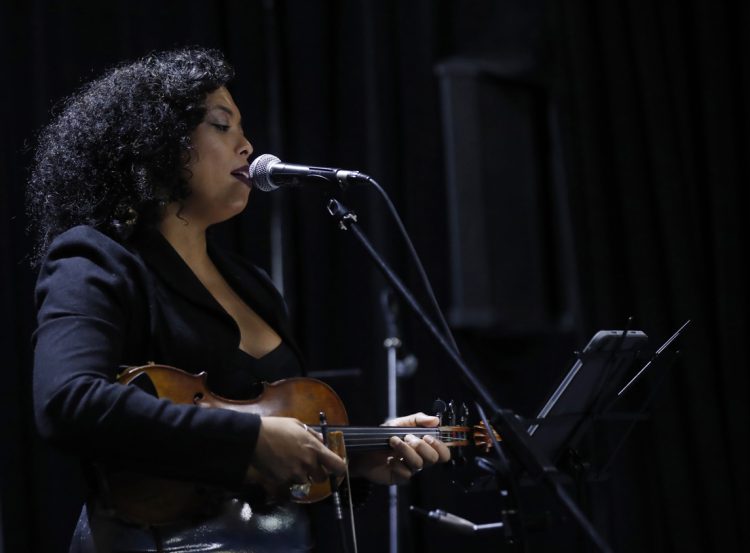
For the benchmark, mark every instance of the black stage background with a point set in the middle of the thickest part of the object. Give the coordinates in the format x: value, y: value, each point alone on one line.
x: 588, y: 161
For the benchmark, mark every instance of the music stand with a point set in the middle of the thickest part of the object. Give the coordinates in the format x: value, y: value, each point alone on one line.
x: 570, y: 410
x: 591, y: 388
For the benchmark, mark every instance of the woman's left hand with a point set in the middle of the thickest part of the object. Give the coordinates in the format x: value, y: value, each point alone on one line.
x: 406, y: 457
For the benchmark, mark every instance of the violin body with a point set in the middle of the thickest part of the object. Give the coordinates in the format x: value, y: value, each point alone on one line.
x: 153, y: 500
x: 298, y: 397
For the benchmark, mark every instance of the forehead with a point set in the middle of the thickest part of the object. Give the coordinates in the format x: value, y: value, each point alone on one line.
x: 221, y: 100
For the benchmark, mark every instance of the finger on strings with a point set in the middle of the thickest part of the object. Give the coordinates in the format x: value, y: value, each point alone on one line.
x: 406, y: 453
x: 429, y: 454
x: 443, y: 451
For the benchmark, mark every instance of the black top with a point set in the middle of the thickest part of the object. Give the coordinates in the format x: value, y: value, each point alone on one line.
x: 103, y: 304
x: 279, y: 363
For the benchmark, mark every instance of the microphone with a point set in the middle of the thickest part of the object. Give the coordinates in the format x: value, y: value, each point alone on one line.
x: 267, y: 173
x: 455, y: 522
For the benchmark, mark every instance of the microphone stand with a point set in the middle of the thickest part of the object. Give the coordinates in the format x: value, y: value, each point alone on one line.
x: 506, y: 422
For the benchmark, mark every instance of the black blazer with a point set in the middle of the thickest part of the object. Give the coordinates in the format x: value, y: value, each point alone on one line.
x: 102, y: 304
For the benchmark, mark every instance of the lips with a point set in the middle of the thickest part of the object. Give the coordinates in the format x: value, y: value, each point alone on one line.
x: 243, y: 174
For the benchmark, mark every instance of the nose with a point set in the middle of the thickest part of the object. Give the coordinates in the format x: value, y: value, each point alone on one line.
x: 245, y: 148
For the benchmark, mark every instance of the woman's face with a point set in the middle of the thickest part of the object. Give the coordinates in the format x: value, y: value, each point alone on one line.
x: 218, y: 163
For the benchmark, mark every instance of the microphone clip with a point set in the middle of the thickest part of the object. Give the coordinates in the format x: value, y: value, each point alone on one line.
x: 341, y: 213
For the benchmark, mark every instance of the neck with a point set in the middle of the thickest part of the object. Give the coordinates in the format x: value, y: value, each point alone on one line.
x: 187, y: 236
x: 372, y: 438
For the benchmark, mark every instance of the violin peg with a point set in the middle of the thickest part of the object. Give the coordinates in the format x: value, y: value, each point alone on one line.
x: 464, y: 415
x: 438, y: 407
x: 452, y: 413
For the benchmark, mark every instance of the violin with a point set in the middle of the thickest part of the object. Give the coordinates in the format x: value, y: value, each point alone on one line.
x: 153, y: 500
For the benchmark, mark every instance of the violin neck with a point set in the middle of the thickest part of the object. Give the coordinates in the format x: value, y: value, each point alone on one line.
x: 371, y: 438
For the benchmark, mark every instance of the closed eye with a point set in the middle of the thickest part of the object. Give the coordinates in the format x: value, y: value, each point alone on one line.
x: 222, y: 128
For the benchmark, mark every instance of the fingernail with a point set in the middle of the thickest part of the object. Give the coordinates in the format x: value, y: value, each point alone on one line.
x: 429, y: 439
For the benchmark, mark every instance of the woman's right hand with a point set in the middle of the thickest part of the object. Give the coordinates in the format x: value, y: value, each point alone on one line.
x: 288, y: 452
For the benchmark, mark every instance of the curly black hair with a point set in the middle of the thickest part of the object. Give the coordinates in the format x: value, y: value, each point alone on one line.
x: 116, y: 152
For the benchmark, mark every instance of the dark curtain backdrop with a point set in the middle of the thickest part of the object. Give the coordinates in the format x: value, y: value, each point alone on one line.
x: 646, y: 121
x: 655, y: 101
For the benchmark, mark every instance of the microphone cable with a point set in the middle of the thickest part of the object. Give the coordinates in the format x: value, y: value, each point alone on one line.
x: 418, y: 262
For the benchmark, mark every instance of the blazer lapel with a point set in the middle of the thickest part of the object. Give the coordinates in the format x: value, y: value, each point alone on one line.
x: 166, y: 263
x: 257, y: 290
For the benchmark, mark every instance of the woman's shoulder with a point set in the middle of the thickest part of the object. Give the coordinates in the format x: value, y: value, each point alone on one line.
x: 85, y: 240
x: 87, y: 271
x: 84, y: 235
x: 84, y: 249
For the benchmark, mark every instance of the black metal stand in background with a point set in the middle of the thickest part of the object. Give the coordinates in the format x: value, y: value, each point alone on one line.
x: 505, y: 421
x: 391, y: 344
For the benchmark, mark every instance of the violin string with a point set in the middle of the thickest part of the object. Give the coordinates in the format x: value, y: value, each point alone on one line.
x: 387, y: 442
x: 365, y: 444
x: 385, y: 439
x: 387, y: 436
x: 385, y: 429
x: 388, y: 431
x: 362, y: 438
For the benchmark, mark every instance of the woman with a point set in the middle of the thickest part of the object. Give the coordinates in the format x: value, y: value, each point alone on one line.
x: 127, y: 179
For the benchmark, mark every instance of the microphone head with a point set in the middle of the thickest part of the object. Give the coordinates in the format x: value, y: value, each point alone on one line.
x: 260, y: 172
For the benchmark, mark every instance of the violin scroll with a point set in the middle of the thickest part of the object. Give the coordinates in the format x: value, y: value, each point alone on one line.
x: 457, y: 433
x: 482, y: 436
